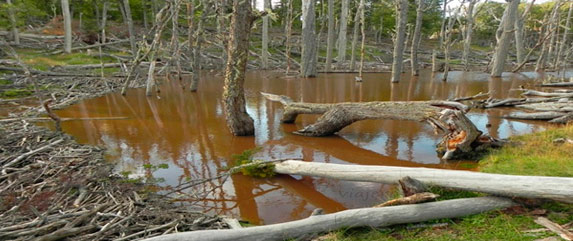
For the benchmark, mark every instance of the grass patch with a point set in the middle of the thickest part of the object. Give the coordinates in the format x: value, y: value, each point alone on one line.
x: 535, y: 155
x: 44, y: 62
x: 5, y: 82
x: 15, y: 93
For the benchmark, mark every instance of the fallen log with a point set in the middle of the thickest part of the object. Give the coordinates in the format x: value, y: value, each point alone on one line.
x: 34, y: 36
x: 561, y: 84
x: 556, y: 228
x: 546, y: 94
x: 548, y: 115
x: 556, y: 188
x: 461, y: 136
x: 65, y: 119
x: 563, y: 119
x: 558, y: 106
x: 93, y: 46
x: 363, y: 217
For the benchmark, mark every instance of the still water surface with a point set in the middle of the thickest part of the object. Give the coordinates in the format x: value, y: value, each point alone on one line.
x: 187, y: 131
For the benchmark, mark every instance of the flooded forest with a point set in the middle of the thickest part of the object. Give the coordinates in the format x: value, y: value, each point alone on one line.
x: 286, y: 120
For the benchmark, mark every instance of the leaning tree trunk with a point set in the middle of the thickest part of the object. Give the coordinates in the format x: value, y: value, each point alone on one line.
x: 363, y: 217
x: 265, y: 47
x: 416, y: 38
x: 14, y: 26
x: 130, y: 29
x: 330, y: 37
x: 563, y: 45
x: 342, y: 31
x: 461, y: 135
x: 238, y: 121
x: 469, y: 33
x: 502, y: 48
x: 402, y: 18
x: 309, y: 43
x: 67, y: 26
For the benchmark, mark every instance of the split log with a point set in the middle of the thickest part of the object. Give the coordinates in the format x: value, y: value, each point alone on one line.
x: 367, y: 217
x: 557, y: 188
x: 461, y: 135
x: 548, y: 115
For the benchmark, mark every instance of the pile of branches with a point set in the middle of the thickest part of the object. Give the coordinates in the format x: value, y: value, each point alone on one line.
x: 555, y: 106
x: 53, y: 188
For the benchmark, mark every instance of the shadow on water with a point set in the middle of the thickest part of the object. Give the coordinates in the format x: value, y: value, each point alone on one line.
x: 187, y: 131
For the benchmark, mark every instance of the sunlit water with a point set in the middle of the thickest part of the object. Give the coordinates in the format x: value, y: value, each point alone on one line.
x: 187, y: 131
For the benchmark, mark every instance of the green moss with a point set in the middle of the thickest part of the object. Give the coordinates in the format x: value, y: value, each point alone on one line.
x: 5, y: 82
x: 15, y: 93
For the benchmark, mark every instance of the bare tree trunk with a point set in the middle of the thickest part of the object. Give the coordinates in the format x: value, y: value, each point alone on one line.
x: 362, y: 44
x: 288, y: 31
x: 67, y: 26
x: 434, y: 60
x: 238, y: 121
x: 309, y: 45
x: 542, y: 60
x: 502, y: 48
x: 130, y: 29
x: 12, y: 16
x: 150, y: 76
x: 330, y: 37
x: 565, y: 39
x: 554, y: 31
x: 469, y: 32
x: 104, y: 20
x: 265, y: 47
x: 416, y: 38
x: 355, y: 36
x: 519, y: 34
x: 443, y: 26
x: 175, y: 48
x: 197, y: 51
x: 402, y: 18
x: 342, y: 31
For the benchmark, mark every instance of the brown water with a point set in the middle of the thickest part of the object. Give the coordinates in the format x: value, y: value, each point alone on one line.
x: 187, y: 131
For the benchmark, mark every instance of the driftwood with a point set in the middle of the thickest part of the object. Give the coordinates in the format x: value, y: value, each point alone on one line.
x: 461, y: 135
x: 548, y: 115
x: 546, y: 94
x: 561, y: 84
x: 369, y: 217
x: 556, y: 106
x: 411, y: 186
x: 557, y: 188
x: 563, y: 119
x: 413, y: 199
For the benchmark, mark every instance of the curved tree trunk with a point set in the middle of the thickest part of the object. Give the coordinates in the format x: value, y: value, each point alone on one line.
x: 502, y: 48
x: 67, y: 26
x: 309, y: 43
x: 238, y: 121
x: 461, y: 135
x: 330, y: 37
x: 342, y: 31
x: 402, y: 18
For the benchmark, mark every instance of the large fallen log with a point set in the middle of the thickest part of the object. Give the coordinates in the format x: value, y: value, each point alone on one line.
x: 556, y: 188
x: 363, y: 217
x: 546, y: 94
x: 461, y: 136
x: 548, y: 115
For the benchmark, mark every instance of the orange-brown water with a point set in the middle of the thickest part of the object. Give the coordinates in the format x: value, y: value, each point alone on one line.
x: 187, y: 131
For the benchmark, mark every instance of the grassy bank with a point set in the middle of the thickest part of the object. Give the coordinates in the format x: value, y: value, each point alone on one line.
x: 534, y: 154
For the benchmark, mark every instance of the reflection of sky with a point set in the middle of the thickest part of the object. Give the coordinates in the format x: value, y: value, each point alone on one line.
x: 187, y: 132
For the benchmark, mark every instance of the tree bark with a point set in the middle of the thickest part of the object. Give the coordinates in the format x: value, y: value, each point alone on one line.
x: 238, y: 121
x: 330, y: 37
x: 289, y: 19
x: 469, y: 33
x: 402, y: 18
x: 342, y: 31
x: 565, y: 39
x: 519, y: 34
x: 265, y: 47
x: 556, y: 188
x: 309, y: 44
x: 542, y: 60
x: 367, y: 217
x: 104, y: 21
x: 130, y: 28
x: 355, y: 35
x: 417, y: 37
x: 67, y: 26
x: 13, y: 23
x: 502, y: 48
x: 198, y: 40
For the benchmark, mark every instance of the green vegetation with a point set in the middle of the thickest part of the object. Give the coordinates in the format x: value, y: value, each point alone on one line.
x: 536, y: 154
x: 251, y: 168
x: 15, y: 93
x: 41, y: 61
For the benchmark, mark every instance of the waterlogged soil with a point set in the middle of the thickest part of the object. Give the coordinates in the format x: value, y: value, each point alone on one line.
x: 187, y: 132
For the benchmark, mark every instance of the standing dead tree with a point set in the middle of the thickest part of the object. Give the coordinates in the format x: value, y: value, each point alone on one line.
x: 399, y: 39
x: 342, y: 31
x: 461, y: 135
x: 238, y: 121
x: 357, y: 24
x: 519, y: 33
x: 67, y: 26
x: 309, y: 43
x: 468, y: 33
x: 502, y: 47
x: 561, y: 59
x: 417, y: 37
x: 288, y: 32
x: 330, y: 36
x: 13, y: 23
x: 449, y: 42
x: 126, y: 8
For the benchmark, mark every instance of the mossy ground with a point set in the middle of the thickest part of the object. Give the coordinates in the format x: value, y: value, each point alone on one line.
x: 536, y: 154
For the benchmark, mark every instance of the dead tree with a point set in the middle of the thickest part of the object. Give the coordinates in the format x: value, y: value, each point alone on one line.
x: 565, y: 39
x: 399, y: 39
x: 470, y: 17
x: 417, y: 37
x: 14, y: 26
x: 309, y: 44
x: 502, y: 47
x: 355, y: 35
x: 342, y: 31
x: 289, y: 19
x: 67, y: 26
x: 129, y: 22
x: 330, y: 36
x: 461, y: 135
x: 265, y: 40
x: 519, y: 33
x: 448, y: 42
x: 238, y: 121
